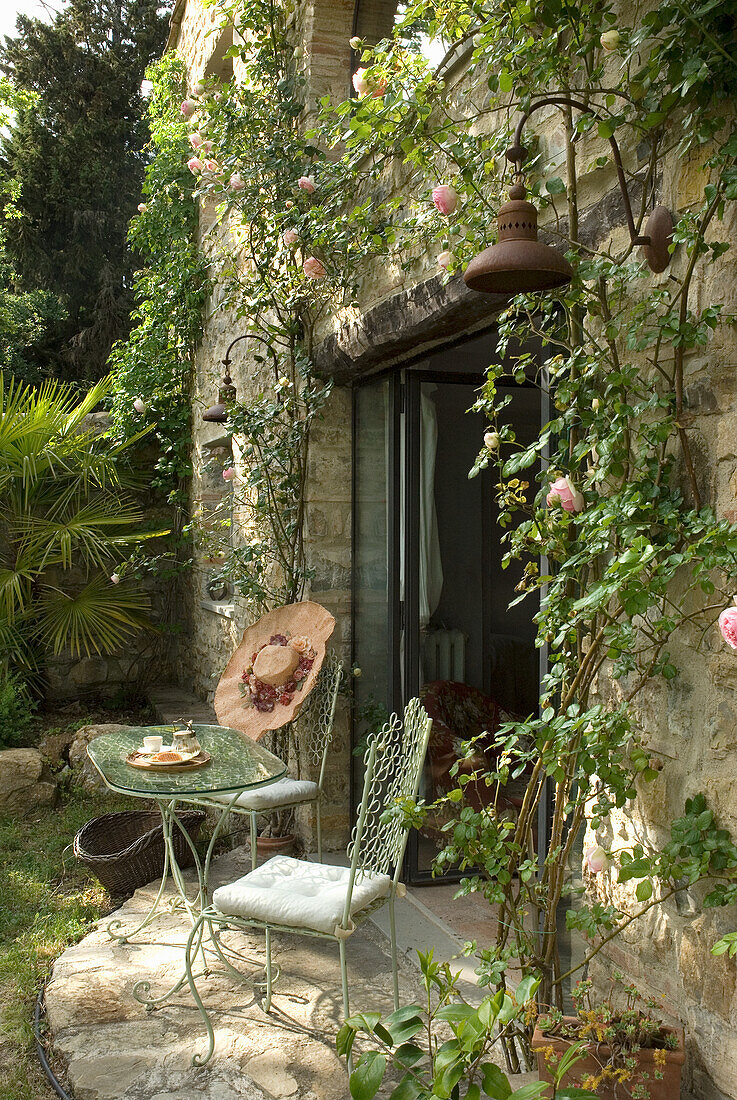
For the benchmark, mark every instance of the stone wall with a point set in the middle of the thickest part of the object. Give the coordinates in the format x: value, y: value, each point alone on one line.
x: 690, y: 722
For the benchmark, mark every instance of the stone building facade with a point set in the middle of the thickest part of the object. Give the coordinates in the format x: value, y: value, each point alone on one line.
x: 406, y: 318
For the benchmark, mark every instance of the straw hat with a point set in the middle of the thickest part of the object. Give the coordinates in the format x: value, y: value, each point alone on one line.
x: 274, y: 668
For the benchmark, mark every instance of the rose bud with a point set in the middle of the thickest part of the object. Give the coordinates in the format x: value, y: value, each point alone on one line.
x: 195, y: 165
x: 728, y: 625
x: 491, y: 441
x: 445, y: 259
x: 596, y: 859
x: 306, y: 183
x: 228, y: 474
x: 610, y: 40
x: 445, y: 198
x: 313, y: 269
x: 142, y: 208
x: 188, y: 107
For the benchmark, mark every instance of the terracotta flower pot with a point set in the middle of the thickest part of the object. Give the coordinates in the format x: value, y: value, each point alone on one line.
x: 666, y: 1088
x: 268, y: 846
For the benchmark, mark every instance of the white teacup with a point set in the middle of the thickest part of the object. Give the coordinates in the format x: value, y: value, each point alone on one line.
x: 153, y: 744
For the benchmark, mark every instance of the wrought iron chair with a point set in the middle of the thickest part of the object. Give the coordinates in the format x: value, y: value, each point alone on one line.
x: 315, y: 720
x: 321, y: 900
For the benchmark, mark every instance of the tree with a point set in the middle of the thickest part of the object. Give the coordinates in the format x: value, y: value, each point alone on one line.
x: 73, y: 164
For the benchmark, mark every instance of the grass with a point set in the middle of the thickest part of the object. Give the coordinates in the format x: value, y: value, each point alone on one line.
x: 47, y: 902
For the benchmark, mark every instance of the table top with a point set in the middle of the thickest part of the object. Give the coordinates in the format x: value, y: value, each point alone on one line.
x: 238, y: 763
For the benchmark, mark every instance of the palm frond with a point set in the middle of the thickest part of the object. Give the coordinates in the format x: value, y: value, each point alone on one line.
x: 99, y: 619
x: 88, y: 531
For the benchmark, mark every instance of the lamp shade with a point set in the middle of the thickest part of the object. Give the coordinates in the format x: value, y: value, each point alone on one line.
x: 518, y: 263
x: 218, y: 413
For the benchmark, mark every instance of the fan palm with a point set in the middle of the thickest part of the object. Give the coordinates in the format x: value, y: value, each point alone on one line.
x: 66, y: 516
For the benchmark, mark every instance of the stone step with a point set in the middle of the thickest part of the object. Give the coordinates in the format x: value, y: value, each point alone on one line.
x: 172, y: 704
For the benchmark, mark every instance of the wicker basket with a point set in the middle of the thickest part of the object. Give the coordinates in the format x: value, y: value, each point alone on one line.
x: 126, y: 850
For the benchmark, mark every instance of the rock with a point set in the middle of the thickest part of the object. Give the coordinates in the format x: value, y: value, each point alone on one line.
x: 24, y: 781
x: 85, y: 773
x: 53, y: 747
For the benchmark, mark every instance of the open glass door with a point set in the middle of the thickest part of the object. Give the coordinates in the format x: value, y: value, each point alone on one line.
x: 430, y: 597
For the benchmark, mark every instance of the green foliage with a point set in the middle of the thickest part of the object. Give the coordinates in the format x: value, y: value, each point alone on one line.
x: 16, y: 711
x: 67, y: 519
x: 71, y: 166
x: 155, y: 362
x: 47, y: 902
x: 414, y: 1041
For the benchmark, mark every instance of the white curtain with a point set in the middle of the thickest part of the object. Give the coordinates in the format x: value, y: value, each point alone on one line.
x: 430, y: 564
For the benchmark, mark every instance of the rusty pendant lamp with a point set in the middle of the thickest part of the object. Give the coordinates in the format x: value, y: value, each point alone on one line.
x: 218, y: 413
x: 519, y: 263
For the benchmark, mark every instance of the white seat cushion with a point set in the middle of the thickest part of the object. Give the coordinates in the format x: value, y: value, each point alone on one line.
x: 299, y: 894
x: 280, y: 793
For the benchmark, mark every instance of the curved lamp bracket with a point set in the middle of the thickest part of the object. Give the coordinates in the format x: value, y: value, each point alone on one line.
x: 218, y: 413
x: 659, y: 227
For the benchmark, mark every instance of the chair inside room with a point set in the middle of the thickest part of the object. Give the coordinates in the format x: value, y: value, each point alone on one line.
x: 316, y: 899
x: 313, y: 729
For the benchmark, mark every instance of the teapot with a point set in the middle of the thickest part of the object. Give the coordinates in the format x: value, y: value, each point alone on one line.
x: 185, y: 740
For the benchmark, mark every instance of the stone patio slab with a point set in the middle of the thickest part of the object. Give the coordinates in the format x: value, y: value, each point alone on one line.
x: 114, y: 1049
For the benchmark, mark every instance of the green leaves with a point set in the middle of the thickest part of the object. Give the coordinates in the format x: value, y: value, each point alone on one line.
x: 366, y: 1078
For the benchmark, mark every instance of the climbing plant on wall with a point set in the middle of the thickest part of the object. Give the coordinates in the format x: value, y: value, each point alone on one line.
x: 637, y: 560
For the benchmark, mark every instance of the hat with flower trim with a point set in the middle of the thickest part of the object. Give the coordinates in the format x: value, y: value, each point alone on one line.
x: 274, y: 668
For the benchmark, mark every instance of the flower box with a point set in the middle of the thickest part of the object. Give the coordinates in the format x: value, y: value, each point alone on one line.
x: 666, y: 1088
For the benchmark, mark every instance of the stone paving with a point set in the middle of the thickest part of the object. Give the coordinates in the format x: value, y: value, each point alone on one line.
x: 112, y: 1049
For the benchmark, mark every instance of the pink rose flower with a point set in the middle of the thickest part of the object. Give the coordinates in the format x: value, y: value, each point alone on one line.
x: 565, y: 493
x: 139, y: 405
x: 237, y: 183
x: 728, y: 625
x: 188, y: 107
x: 307, y: 184
x: 445, y: 198
x: 300, y: 643
x: 359, y: 81
x: 195, y: 165
x: 313, y: 269
x: 142, y: 208
x: 228, y: 474
x: 206, y: 147
x: 596, y: 859
x: 290, y: 236
x: 115, y: 578
x: 212, y: 166
x: 445, y: 259
x: 363, y: 84
x: 491, y: 441
x: 195, y: 140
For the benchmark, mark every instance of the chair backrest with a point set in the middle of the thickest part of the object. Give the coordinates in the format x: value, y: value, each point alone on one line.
x: 394, y: 760
x: 315, y: 720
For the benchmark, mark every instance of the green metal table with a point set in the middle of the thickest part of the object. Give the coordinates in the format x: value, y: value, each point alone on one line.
x: 237, y: 764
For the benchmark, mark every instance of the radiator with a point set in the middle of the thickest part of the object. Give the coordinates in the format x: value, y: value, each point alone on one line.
x: 444, y: 656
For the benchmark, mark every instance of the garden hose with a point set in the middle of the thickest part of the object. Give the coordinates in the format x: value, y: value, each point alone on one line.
x: 40, y: 1051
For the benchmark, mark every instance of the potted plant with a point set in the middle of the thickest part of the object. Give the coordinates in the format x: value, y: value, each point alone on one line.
x: 629, y: 1052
